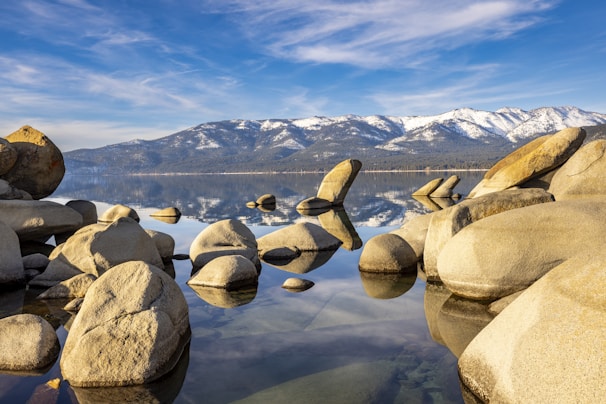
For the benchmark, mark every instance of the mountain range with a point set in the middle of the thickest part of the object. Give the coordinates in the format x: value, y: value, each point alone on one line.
x: 461, y: 138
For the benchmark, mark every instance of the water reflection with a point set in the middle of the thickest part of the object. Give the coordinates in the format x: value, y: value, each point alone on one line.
x: 374, y: 199
x: 351, y: 332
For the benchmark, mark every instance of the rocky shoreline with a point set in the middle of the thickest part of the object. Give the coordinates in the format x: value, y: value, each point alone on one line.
x: 523, y: 246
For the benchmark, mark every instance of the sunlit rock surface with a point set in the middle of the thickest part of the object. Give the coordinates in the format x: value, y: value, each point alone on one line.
x: 27, y: 343
x: 530, y: 161
x: 502, y: 254
x: 549, y: 344
x: 131, y: 329
x: 448, y: 222
x: 39, y: 167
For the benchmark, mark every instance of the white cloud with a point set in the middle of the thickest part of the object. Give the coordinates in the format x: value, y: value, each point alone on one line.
x: 380, y: 33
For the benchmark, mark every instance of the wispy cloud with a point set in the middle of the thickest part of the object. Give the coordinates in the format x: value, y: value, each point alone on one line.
x: 381, y: 33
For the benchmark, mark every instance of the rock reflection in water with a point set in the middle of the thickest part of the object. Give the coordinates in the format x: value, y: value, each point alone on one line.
x: 387, y: 286
x: 307, y: 261
x: 223, y: 298
x: 460, y: 320
x: 336, y: 222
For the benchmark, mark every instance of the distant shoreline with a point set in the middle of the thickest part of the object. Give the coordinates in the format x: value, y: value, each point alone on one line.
x: 291, y: 172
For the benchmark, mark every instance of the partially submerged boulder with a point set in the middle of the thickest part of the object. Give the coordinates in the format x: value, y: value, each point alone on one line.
x: 118, y: 211
x: 387, y: 253
x: 428, y: 188
x: 225, y: 237
x: 297, y: 284
x: 448, y: 222
x: 27, y: 343
x: 39, y: 167
x: 548, y: 345
x: 38, y: 220
x: 11, y: 264
x: 334, y: 186
x: 504, y: 253
x: 230, y: 272
x: 165, y: 243
x: 131, y: 329
x: 445, y: 189
x: 300, y: 236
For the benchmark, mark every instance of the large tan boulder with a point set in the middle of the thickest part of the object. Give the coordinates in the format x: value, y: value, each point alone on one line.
x: 230, y: 272
x: 74, y: 287
x: 131, y: 329
x: 583, y: 174
x: 39, y: 168
x: 11, y: 263
x: 300, y: 236
x: 117, y: 211
x: 504, y: 253
x: 38, y: 220
x: 225, y: 237
x: 96, y: 248
x: 387, y: 253
x: 534, y: 159
x: 548, y: 345
x: 448, y: 222
x: 27, y: 343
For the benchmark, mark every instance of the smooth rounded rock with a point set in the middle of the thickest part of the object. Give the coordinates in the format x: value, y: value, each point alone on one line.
x: 428, y: 188
x: 445, y: 189
x: 304, y: 236
x: 228, y: 272
x: 131, y: 329
x: 165, y: 243
x: 12, y: 271
x: 297, y: 284
x: 447, y: 223
x: 504, y: 253
x: 387, y: 253
x: 532, y: 161
x: 549, y: 344
x: 8, y: 156
x: 39, y: 168
x: 27, y: 342
x: 76, y: 286
x: 583, y: 174
x: 116, y: 212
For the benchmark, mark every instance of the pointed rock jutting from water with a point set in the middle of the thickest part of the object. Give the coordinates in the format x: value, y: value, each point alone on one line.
x: 428, y: 188
x: 334, y: 186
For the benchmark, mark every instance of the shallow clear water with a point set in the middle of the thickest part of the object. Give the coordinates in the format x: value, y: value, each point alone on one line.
x: 350, y: 338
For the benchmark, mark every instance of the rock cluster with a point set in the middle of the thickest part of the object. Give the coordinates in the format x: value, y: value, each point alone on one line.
x: 514, y: 281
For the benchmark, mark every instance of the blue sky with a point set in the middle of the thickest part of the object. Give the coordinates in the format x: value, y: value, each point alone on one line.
x: 95, y: 72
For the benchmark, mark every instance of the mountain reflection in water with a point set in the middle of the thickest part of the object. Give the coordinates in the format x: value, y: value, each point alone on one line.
x: 352, y: 337
x: 375, y: 199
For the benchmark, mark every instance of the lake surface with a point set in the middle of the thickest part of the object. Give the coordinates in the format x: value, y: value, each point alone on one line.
x: 350, y: 338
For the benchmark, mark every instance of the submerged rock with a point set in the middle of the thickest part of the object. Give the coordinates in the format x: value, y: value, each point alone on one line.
x: 297, y: 284
x: 300, y: 236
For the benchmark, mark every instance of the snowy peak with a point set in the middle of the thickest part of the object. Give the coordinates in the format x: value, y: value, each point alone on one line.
x: 462, y: 138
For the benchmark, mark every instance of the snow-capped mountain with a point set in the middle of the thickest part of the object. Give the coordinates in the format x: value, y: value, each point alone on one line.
x: 463, y: 138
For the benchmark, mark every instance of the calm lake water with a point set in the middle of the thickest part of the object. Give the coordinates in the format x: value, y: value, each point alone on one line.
x: 350, y: 338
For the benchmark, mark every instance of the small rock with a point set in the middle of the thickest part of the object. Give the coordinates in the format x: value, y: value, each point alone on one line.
x: 297, y: 284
